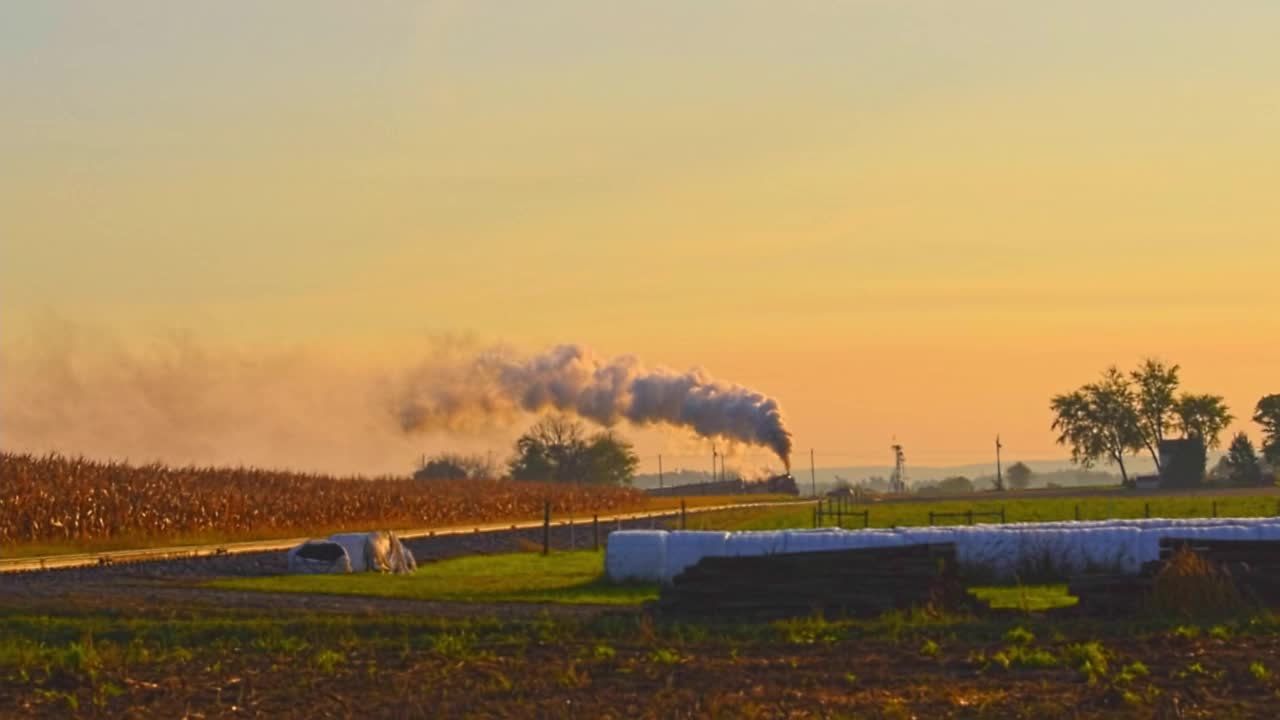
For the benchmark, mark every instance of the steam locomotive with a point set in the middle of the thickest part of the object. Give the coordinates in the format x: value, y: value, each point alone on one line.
x: 784, y: 484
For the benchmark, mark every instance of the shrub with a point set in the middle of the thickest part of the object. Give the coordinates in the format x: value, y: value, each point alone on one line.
x: 1191, y: 586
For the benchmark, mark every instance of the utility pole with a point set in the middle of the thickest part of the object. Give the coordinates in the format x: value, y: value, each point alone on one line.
x: 813, y: 474
x: 713, y: 462
x: 999, y: 472
x: 659, y: 471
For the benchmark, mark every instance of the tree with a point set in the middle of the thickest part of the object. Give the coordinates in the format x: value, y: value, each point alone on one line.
x: 1267, y: 414
x: 955, y: 485
x: 609, y: 460
x: 1156, y: 383
x: 1019, y: 476
x: 453, y: 466
x: 1203, y: 417
x: 1240, y: 466
x: 1099, y: 421
x: 556, y: 449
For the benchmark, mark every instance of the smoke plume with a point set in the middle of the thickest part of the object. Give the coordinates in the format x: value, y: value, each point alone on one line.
x: 82, y: 390
x: 572, y: 379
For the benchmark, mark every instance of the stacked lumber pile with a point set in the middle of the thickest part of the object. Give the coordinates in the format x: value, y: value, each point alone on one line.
x: 839, y: 583
x: 1114, y: 595
x: 1254, y: 565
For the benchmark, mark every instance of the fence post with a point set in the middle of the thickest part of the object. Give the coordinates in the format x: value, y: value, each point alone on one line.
x: 931, y: 515
x: 1215, y: 508
x: 1002, y: 520
x: 595, y: 532
x: 683, y: 521
x: 866, y: 519
x: 969, y: 515
x: 546, y: 527
x: 1146, y: 510
x: 1077, y: 512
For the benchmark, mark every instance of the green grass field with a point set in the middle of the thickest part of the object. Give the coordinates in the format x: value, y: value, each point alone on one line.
x: 569, y: 577
x: 1028, y: 598
x: 916, y: 513
x: 562, y: 578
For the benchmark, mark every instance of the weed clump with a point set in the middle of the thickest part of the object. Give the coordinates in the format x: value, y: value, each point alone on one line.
x: 1190, y: 586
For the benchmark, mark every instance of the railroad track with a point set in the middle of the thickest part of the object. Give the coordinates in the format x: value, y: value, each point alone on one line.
x: 114, y: 557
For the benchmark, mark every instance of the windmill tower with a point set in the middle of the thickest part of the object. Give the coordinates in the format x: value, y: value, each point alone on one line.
x: 898, y: 480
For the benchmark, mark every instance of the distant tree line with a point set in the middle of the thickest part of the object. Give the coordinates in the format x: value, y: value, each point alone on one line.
x: 554, y: 449
x: 1126, y: 413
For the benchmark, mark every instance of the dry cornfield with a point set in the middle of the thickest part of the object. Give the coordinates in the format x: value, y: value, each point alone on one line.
x: 56, y: 499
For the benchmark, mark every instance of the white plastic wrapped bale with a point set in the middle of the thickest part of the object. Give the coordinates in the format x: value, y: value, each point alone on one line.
x: 857, y: 539
x: 798, y: 541
x: 1001, y: 551
x: 636, y: 555
x: 377, y: 551
x: 930, y: 535
x: 1045, y: 549
x: 686, y: 547
x: 1121, y: 545
x: 319, y: 557
x: 759, y: 542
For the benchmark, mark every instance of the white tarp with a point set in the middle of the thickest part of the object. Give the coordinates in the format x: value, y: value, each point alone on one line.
x: 319, y: 557
x: 377, y: 551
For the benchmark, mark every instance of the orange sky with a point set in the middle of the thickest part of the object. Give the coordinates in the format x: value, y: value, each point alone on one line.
x: 910, y: 218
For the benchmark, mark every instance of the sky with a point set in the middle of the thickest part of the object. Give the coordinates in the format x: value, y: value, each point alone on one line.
x: 224, y: 226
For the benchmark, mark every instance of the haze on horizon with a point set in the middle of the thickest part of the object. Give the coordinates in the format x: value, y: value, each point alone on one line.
x: 911, y: 219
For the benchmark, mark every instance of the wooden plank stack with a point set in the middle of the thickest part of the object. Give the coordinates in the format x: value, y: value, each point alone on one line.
x: 838, y: 583
x: 1113, y: 595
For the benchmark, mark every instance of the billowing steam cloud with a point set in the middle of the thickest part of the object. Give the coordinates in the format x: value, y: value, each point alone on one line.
x: 78, y: 389
x: 571, y: 379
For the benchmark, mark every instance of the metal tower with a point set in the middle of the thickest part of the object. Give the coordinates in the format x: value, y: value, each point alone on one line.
x: 898, y: 480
